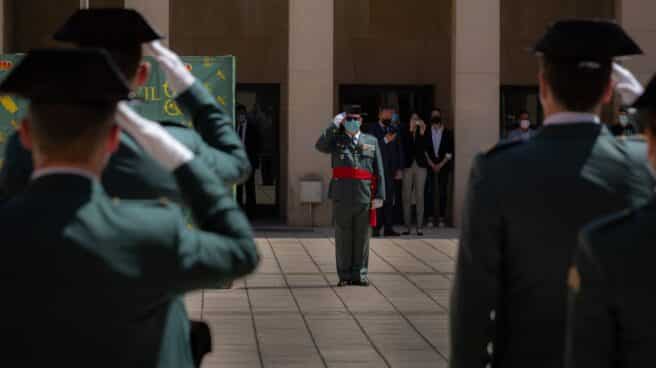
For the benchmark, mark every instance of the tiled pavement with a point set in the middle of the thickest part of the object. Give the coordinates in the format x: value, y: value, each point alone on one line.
x: 289, y: 314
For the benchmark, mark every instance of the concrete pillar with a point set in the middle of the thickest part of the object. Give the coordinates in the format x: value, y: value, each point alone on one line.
x: 157, y: 12
x: 637, y: 18
x: 310, y: 102
x: 476, y: 85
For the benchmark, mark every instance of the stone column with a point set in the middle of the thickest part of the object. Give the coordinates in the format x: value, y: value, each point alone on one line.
x: 310, y: 102
x: 637, y: 18
x: 476, y: 85
x: 157, y: 12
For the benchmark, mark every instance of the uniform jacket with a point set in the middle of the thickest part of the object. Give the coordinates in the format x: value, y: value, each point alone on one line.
x: 132, y: 174
x: 111, y: 274
x: 344, y: 153
x: 525, y: 204
x: 612, y: 296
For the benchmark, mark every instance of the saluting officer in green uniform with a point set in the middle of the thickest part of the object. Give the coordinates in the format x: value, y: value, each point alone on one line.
x: 612, y: 293
x: 131, y: 174
x: 509, y: 300
x: 357, y: 189
x: 94, y: 281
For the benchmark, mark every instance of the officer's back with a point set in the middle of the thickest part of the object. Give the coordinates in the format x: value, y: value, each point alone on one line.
x: 527, y: 201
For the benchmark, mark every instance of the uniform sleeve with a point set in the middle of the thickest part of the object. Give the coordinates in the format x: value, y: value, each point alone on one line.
x: 223, y: 151
x: 224, y: 247
x: 327, y: 142
x: 16, y: 169
x: 590, y: 327
x: 379, y: 171
x: 476, y: 290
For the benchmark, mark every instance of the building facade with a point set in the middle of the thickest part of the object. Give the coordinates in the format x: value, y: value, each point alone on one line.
x: 300, y: 60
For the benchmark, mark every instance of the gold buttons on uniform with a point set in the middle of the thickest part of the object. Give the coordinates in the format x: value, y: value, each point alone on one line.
x: 490, y: 348
x: 493, y: 315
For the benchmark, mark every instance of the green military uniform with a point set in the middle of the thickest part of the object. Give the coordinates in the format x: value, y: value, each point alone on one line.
x: 612, y: 299
x: 352, y: 198
x: 131, y: 174
x: 99, y: 281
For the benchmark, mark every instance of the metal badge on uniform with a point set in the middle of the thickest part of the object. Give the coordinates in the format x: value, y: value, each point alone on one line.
x: 368, y: 147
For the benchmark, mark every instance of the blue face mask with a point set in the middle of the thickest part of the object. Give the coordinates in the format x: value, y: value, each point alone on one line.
x: 352, y: 125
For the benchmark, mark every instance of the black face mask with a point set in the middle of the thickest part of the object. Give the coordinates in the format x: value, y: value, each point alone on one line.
x: 387, y: 121
x: 436, y: 121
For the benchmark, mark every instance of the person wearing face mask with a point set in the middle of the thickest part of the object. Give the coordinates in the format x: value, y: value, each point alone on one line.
x: 357, y: 189
x: 440, y: 158
x: 390, y: 145
x: 524, y: 131
x: 415, y: 169
x: 609, y: 291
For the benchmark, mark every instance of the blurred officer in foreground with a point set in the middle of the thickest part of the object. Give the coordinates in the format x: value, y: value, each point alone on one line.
x: 357, y: 190
x: 96, y: 281
x: 131, y: 174
x: 612, y: 297
x: 527, y: 201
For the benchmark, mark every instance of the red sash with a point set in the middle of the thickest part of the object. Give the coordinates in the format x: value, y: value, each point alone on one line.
x: 359, y: 174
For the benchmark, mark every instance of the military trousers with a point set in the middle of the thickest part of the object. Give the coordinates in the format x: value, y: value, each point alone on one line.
x: 352, y: 233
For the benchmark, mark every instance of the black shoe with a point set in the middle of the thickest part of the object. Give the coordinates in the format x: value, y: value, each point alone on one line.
x: 406, y: 233
x: 391, y: 233
x: 420, y: 233
x: 361, y: 282
x: 343, y: 283
x: 375, y: 233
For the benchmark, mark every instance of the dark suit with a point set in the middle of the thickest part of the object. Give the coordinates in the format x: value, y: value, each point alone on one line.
x: 111, y: 274
x: 251, y: 140
x: 525, y: 204
x: 440, y: 180
x: 612, y: 296
x: 415, y: 147
x: 132, y: 174
x: 392, y: 154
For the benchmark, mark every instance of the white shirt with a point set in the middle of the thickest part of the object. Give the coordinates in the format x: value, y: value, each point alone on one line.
x: 356, y: 138
x: 63, y: 170
x: 437, y: 139
x: 564, y: 118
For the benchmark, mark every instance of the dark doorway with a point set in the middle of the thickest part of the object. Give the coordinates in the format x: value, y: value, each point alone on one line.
x: 406, y: 98
x: 514, y: 99
x: 263, y: 104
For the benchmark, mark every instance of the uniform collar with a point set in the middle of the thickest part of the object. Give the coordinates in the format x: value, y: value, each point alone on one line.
x: 65, y: 171
x: 564, y: 118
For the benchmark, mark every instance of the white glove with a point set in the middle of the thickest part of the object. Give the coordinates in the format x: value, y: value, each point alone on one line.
x: 377, y: 203
x: 626, y: 84
x: 179, y: 78
x: 339, y: 118
x: 154, y: 139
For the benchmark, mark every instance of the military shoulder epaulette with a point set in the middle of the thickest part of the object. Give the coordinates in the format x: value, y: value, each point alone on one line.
x: 169, y: 123
x: 607, y: 222
x: 502, y: 146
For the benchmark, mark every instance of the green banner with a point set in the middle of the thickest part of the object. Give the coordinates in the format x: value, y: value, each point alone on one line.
x: 217, y: 73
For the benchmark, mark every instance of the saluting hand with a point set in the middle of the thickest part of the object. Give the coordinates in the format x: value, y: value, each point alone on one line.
x: 176, y: 72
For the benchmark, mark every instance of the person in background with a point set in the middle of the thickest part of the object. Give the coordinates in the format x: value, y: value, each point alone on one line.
x: 390, y: 145
x: 527, y: 201
x: 398, y: 183
x: 247, y: 130
x: 415, y: 169
x: 524, y: 131
x: 440, y: 158
x: 611, y: 300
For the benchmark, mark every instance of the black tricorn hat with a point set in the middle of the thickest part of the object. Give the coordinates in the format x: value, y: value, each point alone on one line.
x: 581, y: 40
x: 354, y: 110
x: 648, y: 98
x: 67, y: 76
x: 106, y: 27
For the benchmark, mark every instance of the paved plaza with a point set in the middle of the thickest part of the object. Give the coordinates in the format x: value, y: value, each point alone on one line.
x: 289, y: 314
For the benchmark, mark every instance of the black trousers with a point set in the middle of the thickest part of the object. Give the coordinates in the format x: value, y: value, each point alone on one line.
x: 249, y: 188
x: 441, y: 194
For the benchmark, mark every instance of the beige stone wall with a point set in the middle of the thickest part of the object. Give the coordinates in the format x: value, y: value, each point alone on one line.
x: 522, y: 23
x: 156, y: 11
x: 638, y: 18
x: 394, y: 42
